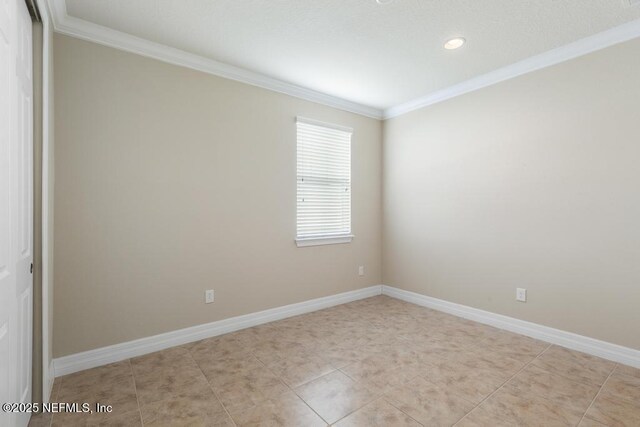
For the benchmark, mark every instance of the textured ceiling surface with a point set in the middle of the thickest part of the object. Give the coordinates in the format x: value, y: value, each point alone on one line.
x: 359, y: 50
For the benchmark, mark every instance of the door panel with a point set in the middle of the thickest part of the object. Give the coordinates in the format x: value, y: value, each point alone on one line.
x: 7, y: 271
x: 25, y: 304
x: 23, y: 208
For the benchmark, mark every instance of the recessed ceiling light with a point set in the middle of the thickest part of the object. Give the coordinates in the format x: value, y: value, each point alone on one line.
x: 384, y: 1
x: 454, y: 43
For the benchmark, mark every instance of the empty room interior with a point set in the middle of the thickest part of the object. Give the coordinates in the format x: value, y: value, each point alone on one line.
x: 318, y: 213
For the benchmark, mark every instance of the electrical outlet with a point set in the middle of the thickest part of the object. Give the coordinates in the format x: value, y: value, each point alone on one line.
x: 208, y: 296
x: 521, y: 294
x: 361, y: 270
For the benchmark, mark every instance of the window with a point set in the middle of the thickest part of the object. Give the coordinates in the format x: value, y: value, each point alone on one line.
x: 324, y: 183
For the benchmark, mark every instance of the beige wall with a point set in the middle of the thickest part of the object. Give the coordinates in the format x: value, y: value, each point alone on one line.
x: 534, y: 183
x: 169, y: 182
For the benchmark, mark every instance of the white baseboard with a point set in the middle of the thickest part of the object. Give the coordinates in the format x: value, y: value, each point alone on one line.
x: 614, y: 352
x: 114, y: 353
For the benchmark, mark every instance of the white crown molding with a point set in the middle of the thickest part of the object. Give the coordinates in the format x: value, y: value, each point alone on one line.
x: 85, y: 30
x: 71, y: 26
x: 115, y: 353
x: 614, y: 352
x: 555, y: 56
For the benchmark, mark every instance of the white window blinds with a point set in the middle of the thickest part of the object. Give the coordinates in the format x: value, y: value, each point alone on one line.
x: 324, y: 183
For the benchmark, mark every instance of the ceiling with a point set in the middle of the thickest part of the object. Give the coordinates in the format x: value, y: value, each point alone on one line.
x: 358, y: 50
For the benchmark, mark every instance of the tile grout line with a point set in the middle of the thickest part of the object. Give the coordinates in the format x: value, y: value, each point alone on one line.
x: 293, y: 390
x: 135, y: 389
x: 504, y: 383
x: 439, y: 386
x: 211, y: 387
x: 382, y: 397
x: 275, y: 375
x: 598, y: 393
x: 358, y: 409
x: 226, y: 411
x: 378, y: 397
x: 307, y: 404
x: 333, y: 371
x: 473, y: 346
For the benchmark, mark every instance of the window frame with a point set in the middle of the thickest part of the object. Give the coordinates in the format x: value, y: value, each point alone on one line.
x: 329, y: 239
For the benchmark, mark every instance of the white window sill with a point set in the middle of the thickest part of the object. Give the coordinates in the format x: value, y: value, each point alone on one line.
x: 318, y: 241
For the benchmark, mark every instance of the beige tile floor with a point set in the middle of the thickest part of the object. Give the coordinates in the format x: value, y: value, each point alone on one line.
x: 374, y: 362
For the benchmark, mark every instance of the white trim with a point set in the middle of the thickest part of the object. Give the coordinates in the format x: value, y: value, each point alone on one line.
x: 319, y: 241
x: 614, y: 352
x: 300, y: 119
x: 48, y: 384
x: 86, y: 30
x: 47, y: 151
x: 622, y: 33
x: 114, y: 353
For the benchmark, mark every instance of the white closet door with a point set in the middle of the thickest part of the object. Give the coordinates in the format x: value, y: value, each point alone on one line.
x: 23, y: 228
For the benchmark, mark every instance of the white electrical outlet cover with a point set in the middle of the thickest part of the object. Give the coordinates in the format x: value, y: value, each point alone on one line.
x: 208, y: 296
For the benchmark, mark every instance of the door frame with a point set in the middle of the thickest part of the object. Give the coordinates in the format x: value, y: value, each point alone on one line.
x: 48, y: 374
